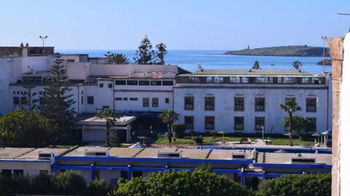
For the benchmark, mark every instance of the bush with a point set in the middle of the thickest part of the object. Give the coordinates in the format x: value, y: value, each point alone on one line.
x: 297, y: 185
x: 43, y: 184
x: 98, y: 188
x: 201, y: 182
x: 70, y: 182
x: 198, y: 140
x: 179, y: 130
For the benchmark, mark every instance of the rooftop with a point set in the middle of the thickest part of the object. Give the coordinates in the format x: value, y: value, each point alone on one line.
x: 248, y: 72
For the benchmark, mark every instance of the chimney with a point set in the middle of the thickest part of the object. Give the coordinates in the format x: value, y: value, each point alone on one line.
x: 25, y: 50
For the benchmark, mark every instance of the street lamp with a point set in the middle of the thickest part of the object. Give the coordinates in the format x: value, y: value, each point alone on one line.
x: 43, y: 38
x: 324, y: 51
x: 262, y: 132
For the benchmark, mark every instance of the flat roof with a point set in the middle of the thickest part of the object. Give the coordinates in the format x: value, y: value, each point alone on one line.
x: 153, y: 152
x: 286, y: 158
x: 33, y: 155
x: 248, y: 72
x: 80, y: 152
x: 13, y: 153
x: 123, y: 120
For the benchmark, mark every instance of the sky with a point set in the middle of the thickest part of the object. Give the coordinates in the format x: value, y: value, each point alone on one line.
x: 180, y: 24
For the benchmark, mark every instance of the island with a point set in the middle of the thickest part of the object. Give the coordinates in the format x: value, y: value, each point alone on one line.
x: 303, y: 51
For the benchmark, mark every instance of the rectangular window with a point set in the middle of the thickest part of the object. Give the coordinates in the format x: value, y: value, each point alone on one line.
x: 209, y: 123
x: 155, y: 102
x: 312, y: 125
x: 118, y: 98
x: 23, y: 100
x: 166, y: 100
x: 239, y: 103
x: 15, y: 100
x: 120, y: 82
x: 311, y: 104
x: 133, y: 99
x: 145, y: 102
x: 18, y: 172
x: 132, y: 82
x: 189, y: 103
x: 156, y: 82
x: 110, y: 85
x: 101, y: 85
x: 168, y: 83
x: 144, y: 82
x: 82, y: 100
x: 259, y: 104
x: 209, y: 103
x: 259, y: 123
x: 6, y: 172
x: 189, y: 122
x: 42, y: 100
x: 125, y: 99
x: 239, y: 123
x: 90, y: 99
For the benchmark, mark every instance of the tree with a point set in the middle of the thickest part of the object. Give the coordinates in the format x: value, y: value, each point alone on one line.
x: 256, y: 65
x: 300, y: 125
x: 161, y: 53
x: 116, y: 58
x: 201, y: 182
x: 290, y: 107
x: 179, y: 130
x: 168, y: 117
x: 107, y: 114
x: 57, y: 102
x: 297, y: 65
x: 23, y: 128
x: 297, y: 185
x: 70, y: 182
x: 30, y: 101
x: 145, y: 55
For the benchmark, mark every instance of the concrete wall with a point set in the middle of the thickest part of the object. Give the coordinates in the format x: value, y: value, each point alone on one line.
x: 111, y: 69
x: 30, y: 168
x: 78, y: 71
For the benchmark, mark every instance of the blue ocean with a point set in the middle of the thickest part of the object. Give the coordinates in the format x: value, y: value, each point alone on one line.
x: 215, y: 59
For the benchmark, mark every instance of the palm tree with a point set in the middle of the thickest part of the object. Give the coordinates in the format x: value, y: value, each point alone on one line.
x: 297, y: 65
x: 168, y: 117
x: 107, y: 114
x: 290, y: 107
x: 116, y: 58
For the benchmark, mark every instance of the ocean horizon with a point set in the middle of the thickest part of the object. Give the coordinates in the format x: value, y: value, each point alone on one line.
x: 216, y: 59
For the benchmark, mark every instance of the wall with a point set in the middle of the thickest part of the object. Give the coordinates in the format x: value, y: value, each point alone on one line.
x: 30, y: 168
x: 110, y: 69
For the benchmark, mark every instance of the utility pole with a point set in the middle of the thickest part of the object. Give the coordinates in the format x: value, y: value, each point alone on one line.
x: 43, y: 38
x: 324, y: 51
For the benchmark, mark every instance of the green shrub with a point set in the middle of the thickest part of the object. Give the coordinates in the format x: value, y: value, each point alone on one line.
x: 70, y: 182
x: 201, y: 182
x: 198, y: 140
x: 179, y: 130
x: 297, y: 185
x: 43, y: 184
x: 98, y: 188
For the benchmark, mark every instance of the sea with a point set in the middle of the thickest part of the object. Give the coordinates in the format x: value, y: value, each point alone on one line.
x: 216, y: 59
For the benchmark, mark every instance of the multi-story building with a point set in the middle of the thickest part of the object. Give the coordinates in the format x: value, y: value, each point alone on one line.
x: 245, y: 101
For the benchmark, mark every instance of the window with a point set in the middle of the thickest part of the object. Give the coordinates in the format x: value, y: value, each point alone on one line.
x: 144, y: 82
x: 124, y: 174
x: 101, y: 85
x: 90, y: 99
x: 289, y: 99
x: 189, y: 103
x: 209, y: 122
x: 133, y: 99
x: 239, y: 123
x: 42, y: 100
x: 110, y: 85
x: 145, y: 102
x: 168, y: 83
x: 166, y: 100
x: 312, y: 124
x: 15, y: 100
x: 132, y: 82
x: 311, y: 104
x: 120, y: 82
x: 259, y: 123
x: 18, y: 172
x: 6, y: 172
x: 209, y: 103
x: 155, y: 102
x: 189, y: 122
x: 125, y: 99
x: 118, y: 98
x: 105, y: 107
x: 23, y: 100
x: 259, y: 104
x: 239, y: 103
x: 156, y: 83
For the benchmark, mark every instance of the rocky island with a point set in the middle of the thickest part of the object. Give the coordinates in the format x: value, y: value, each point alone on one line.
x: 304, y: 51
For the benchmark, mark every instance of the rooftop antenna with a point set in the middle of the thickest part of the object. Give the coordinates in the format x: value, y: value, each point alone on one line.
x: 43, y: 38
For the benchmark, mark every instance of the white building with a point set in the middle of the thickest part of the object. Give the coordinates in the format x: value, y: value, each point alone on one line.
x: 245, y: 101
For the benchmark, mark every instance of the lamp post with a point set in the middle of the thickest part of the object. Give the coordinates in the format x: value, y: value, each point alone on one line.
x: 324, y: 51
x: 43, y: 38
x: 262, y: 132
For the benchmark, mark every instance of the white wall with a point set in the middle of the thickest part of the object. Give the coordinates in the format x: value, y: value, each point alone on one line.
x: 29, y: 168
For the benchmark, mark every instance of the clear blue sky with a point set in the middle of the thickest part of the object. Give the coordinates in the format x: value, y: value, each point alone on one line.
x: 180, y: 24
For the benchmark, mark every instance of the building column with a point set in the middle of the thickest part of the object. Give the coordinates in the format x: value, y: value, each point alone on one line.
x: 128, y: 133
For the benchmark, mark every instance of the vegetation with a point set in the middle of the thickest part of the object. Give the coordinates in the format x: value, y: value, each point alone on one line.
x: 116, y: 58
x: 201, y: 182
x: 107, y: 114
x: 57, y: 103
x: 145, y: 55
x: 256, y: 65
x: 297, y: 65
x: 24, y: 128
x: 297, y: 185
x: 300, y: 125
x: 325, y: 62
x: 290, y: 107
x: 30, y: 101
x: 282, y: 51
x: 168, y: 117
x: 179, y: 130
